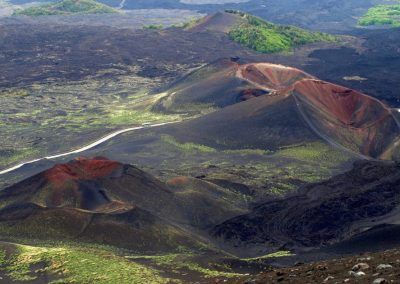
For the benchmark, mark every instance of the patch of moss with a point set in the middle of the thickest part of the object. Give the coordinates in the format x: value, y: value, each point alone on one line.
x: 266, y: 37
x: 248, y: 152
x: 186, y: 261
x: 282, y: 253
x: 382, y: 15
x: 187, y: 147
x: 11, y: 156
x: 124, y: 116
x: 75, y: 264
x: 153, y: 27
x: 66, y: 7
x: 193, y: 147
x: 313, y: 152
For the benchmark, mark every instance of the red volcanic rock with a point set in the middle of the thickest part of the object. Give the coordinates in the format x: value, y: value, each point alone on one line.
x: 348, y: 118
x: 81, y: 169
x: 77, y: 184
x: 250, y: 94
x: 347, y: 106
x: 271, y: 76
x: 178, y: 181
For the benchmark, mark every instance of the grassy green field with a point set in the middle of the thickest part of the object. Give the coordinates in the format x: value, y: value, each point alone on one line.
x: 67, y: 7
x: 382, y: 15
x: 266, y: 37
x: 68, y: 262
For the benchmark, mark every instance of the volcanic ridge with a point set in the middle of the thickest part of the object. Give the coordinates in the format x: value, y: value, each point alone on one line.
x: 340, y: 116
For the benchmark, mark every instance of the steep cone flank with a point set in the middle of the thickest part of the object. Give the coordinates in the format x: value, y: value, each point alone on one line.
x: 226, y: 82
x: 346, y: 105
x: 340, y: 116
x: 109, y: 202
x: 346, y: 117
x: 271, y: 76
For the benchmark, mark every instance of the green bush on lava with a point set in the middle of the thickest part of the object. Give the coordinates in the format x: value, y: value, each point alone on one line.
x: 66, y: 7
x: 266, y: 37
x: 153, y: 27
x: 382, y: 15
x: 187, y: 147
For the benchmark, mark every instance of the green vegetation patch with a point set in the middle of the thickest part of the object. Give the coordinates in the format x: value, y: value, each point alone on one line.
x: 11, y: 156
x: 313, y: 152
x: 277, y: 254
x: 153, y: 27
x: 187, y: 147
x: 67, y: 7
x: 186, y: 262
x: 382, y: 15
x: 193, y: 147
x: 266, y: 37
x: 74, y: 264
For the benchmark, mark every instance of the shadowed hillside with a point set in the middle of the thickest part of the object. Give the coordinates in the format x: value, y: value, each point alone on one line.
x: 320, y: 214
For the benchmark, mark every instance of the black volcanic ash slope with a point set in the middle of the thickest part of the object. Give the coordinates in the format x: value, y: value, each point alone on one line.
x: 320, y: 214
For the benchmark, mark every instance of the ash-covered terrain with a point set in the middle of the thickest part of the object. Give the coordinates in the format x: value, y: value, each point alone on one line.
x: 189, y: 142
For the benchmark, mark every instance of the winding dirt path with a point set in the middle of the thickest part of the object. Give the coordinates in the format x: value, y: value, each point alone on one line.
x: 85, y: 148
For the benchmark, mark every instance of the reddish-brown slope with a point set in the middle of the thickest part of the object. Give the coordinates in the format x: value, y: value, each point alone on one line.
x: 76, y: 184
x: 347, y: 117
x: 81, y: 169
x: 271, y: 76
x: 347, y: 106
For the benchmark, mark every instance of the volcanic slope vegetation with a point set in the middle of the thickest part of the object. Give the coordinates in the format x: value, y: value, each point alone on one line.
x: 287, y: 119
x: 381, y: 15
x: 99, y: 201
x: 100, y: 196
x: 258, y: 34
x: 123, y: 103
x: 66, y: 7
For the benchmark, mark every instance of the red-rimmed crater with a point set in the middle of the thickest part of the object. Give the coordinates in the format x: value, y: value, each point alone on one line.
x: 77, y: 184
x: 271, y: 76
x: 347, y: 106
x: 354, y: 120
x: 82, y: 169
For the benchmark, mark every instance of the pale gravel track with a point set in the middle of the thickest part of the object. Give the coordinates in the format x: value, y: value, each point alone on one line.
x: 85, y: 148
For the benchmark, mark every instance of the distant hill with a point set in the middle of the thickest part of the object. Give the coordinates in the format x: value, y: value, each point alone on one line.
x: 67, y: 7
x: 258, y: 34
